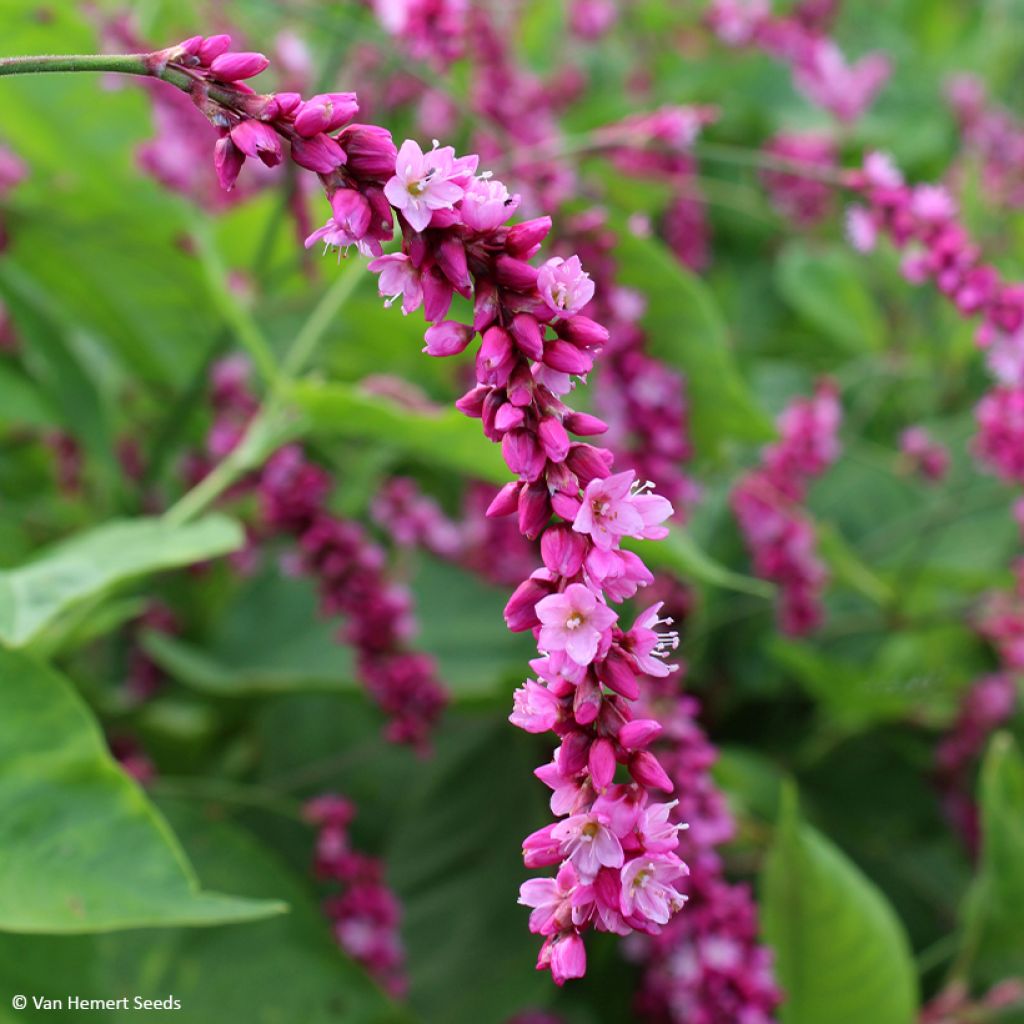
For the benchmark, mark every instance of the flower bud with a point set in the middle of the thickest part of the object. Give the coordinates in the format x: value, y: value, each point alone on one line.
x: 601, y: 763
x: 583, y: 424
x: 505, y: 502
x: 212, y: 47
x: 581, y: 330
x: 588, y: 463
x: 320, y: 154
x: 371, y: 152
x: 553, y: 438
x: 534, y: 510
x: 567, y: 358
x: 509, y: 417
x: 447, y: 338
x: 618, y: 674
x: 520, y: 613
x: 571, y: 755
x: 586, y: 701
x: 515, y: 274
x: 522, y: 454
x: 563, y: 549
x: 471, y: 404
x: 485, y: 308
x: 232, y: 67
x: 451, y: 258
x: 647, y: 770
x: 639, y: 733
x: 325, y: 113
x: 524, y: 239
x: 227, y: 161
x: 528, y: 335
x: 256, y: 139
x: 437, y: 295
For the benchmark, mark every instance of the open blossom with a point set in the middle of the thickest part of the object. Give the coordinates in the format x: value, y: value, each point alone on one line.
x: 574, y: 622
x: 612, y: 508
x: 646, y: 888
x: 423, y: 183
x: 589, y: 844
x: 564, y: 285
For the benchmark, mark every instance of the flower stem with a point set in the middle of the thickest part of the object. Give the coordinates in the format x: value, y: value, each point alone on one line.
x: 126, y: 63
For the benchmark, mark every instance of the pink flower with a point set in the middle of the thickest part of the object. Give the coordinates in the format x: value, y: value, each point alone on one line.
x: 550, y: 898
x: 348, y: 226
x: 575, y: 622
x: 422, y: 183
x: 536, y: 708
x: 486, y: 204
x: 646, y: 888
x: 648, y: 647
x: 589, y: 843
x: 612, y: 510
x: 398, y: 277
x: 565, y: 956
x: 564, y: 285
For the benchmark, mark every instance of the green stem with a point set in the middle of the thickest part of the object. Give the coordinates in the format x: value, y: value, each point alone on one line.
x: 125, y: 63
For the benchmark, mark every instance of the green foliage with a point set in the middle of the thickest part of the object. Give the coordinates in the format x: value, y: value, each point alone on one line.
x: 82, y: 849
x: 36, y: 596
x: 841, y: 953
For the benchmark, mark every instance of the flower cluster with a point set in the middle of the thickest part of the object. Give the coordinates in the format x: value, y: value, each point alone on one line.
x: 364, y: 914
x: 992, y: 137
x: 349, y: 568
x: 707, y: 966
x: 614, y: 847
x: 799, y: 39
x: 800, y: 197
x: 1001, y: 622
x: 431, y: 30
x: 767, y: 505
x: 925, y: 456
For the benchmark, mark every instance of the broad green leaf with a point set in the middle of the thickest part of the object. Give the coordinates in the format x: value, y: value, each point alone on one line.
x: 445, y: 438
x: 841, y: 952
x: 687, y: 331
x: 825, y: 287
x: 270, y: 972
x: 681, y: 554
x: 35, y: 596
x: 993, y: 939
x: 81, y: 848
x: 273, y: 638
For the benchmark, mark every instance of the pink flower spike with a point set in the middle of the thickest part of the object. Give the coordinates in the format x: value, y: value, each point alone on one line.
x: 232, y: 67
x: 421, y: 183
x: 564, y: 285
x: 574, y: 621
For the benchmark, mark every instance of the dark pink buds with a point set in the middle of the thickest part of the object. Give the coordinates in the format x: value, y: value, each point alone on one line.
x: 320, y: 154
x: 325, y: 113
x: 227, y: 161
x: 563, y: 550
x: 256, y: 139
x: 647, y: 770
x: 448, y: 338
x: 639, y: 733
x: 523, y: 240
x: 232, y: 67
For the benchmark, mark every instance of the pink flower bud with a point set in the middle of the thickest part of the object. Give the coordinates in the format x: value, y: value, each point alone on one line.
x: 567, y: 358
x: 647, y: 770
x: 371, y: 151
x: 571, y: 756
x: 283, y: 103
x: 227, y: 161
x: 639, y: 733
x: 601, y: 763
x: 232, y: 67
x: 584, y: 425
x: 325, y: 113
x: 451, y: 258
x: 588, y: 463
x: 540, y: 850
x: 528, y: 335
x: 565, y: 505
x: 192, y: 45
x: 534, y: 510
x: 553, y: 438
x: 520, y: 386
x: 567, y: 958
x: 495, y: 359
x: 505, y: 502
x: 581, y: 330
x: 256, y: 139
x: 437, y: 294
x: 587, y: 700
x: 563, y: 549
x: 447, y: 338
x: 485, y: 309
x: 320, y: 154
x: 471, y: 404
x: 524, y: 239
x: 618, y: 674
x: 212, y: 47
x: 520, y: 614
x: 509, y: 417
x: 515, y: 274
x: 522, y: 454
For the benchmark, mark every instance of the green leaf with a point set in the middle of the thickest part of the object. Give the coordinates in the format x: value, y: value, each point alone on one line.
x: 22, y: 403
x: 849, y: 568
x: 687, y: 331
x: 81, y: 848
x: 36, y: 596
x: 993, y: 940
x: 825, y: 287
x: 841, y: 953
x: 272, y: 639
x: 284, y: 969
x: 444, y: 438
x: 679, y: 553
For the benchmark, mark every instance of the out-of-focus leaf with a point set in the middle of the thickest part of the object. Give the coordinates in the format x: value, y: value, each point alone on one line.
x: 286, y: 969
x: 195, y: 667
x: 462, y: 624
x: 81, y: 848
x: 455, y: 857
x: 679, y: 553
x: 687, y: 331
x: 21, y: 402
x: 993, y: 939
x: 848, y: 567
x: 841, y: 952
x: 825, y: 287
x: 445, y: 438
x: 36, y: 595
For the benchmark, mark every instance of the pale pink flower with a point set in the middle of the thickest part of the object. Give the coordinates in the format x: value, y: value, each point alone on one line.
x: 423, y: 183
x: 648, y: 647
x: 549, y: 898
x: 486, y: 204
x: 535, y: 708
x: 574, y: 621
x: 646, y: 888
x: 564, y: 285
x: 611, y: 510
x: 398, y: 277
x: 588, y: 841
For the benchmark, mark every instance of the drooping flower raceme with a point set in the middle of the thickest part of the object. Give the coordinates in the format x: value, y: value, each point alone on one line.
x: 534, y: 342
